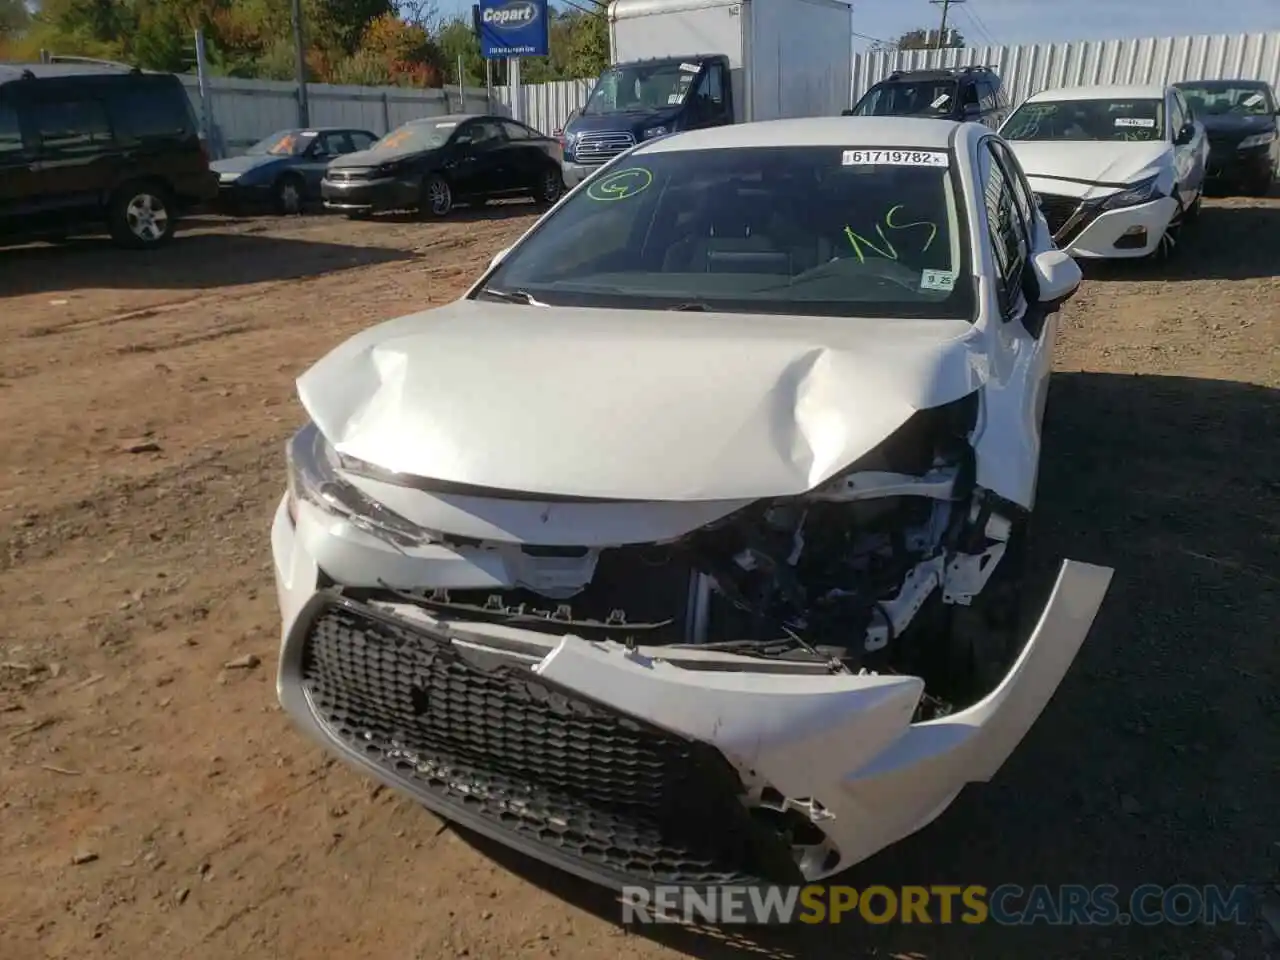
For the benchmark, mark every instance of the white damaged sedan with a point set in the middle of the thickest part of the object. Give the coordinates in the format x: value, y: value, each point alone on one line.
x: 686, y: 547
x: 1118, y: 169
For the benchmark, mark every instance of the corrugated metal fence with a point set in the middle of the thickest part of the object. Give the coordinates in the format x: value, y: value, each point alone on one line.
x: 247, y: 110
x: 547, y: 106
x: 1028, y: 69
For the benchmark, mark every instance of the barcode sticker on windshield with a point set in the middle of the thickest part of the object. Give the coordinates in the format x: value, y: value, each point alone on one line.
x: 1145, y: 122
x: 896, y: 158
x: 1254, y: 100
x: 674, y: 98
x: 689, y: 67
x: 940, y: 101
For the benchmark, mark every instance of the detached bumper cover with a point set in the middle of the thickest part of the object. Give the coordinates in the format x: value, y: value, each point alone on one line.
x: 628, y: 770
x: 520, y: 758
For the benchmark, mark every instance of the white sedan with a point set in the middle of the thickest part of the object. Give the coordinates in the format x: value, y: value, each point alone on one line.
x: 1118, y: 169
x: 686, y: 547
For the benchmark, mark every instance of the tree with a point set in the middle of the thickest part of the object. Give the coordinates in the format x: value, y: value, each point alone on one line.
x: 924, y: 39
x: 14, y: 17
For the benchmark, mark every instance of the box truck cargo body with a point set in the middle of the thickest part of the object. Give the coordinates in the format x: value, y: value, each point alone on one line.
x: 687, y: 64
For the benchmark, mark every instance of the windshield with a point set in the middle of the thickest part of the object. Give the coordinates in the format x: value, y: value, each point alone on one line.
x: 284, y: 143
x: 808, y: 231
x: 642, y: 86
x: 908, y: 98
x: 1139, y: 120
x: 1216, y: 100
x: 417, y: 136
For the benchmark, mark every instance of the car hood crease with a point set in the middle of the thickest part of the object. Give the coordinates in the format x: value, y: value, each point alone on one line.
x: 1111, y: 164
x: 630, y: 405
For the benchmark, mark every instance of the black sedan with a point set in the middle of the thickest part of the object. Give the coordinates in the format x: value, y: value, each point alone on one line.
x: 433, y: 163
x: 283, y: 171
x: 1240, y: 117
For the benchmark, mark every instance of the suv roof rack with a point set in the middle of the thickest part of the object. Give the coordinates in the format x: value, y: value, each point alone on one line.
x: 942, y: 71
x: 89, y: 62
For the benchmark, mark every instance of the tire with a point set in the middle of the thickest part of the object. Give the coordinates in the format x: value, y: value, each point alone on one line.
x: 1193, y: 211
x: 1170, y: 242
x: 1260, y: 186
x: 141, y: 215
x: 984, y: 638
x: 288, y: 195
x: 550, y: 186
x: 437, y: 197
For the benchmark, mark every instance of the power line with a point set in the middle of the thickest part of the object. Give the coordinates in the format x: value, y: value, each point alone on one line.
x: 863, y: 36
x: 972, y: 13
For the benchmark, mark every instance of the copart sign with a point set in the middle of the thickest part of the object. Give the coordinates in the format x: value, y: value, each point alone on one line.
x: 512, y: 28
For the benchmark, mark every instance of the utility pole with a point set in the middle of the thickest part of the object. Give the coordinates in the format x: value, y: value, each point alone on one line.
x: 946, y: 6
x: 300, y: 53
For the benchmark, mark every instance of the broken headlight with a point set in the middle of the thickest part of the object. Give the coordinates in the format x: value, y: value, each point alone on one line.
x: 314, y: 478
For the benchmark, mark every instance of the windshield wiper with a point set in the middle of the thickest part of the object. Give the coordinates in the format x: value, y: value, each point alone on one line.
x: 700, y: 307
x: 512, y: 296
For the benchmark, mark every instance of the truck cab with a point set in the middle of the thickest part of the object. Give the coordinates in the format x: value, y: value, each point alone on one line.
x: 642, y: 99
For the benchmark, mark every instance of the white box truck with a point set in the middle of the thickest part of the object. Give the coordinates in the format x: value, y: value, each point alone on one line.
x: 687, y: 64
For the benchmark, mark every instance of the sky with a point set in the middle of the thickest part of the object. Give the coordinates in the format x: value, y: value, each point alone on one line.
x: 1049, y: 21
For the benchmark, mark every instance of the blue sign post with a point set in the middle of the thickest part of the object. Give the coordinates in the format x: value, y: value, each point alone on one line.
x: 512, y: 28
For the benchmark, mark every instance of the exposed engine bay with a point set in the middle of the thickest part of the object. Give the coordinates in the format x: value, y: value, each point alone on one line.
x: 858, y: 574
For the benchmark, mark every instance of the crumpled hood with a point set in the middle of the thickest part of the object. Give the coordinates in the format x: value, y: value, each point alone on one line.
x: 243, y: 164
x: 1060, y: 162
x: 632, y: 405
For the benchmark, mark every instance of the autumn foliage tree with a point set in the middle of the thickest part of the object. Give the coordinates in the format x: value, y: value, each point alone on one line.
x: 368, y: 42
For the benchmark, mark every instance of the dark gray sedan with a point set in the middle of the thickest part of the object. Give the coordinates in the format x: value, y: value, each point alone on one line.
x: 283, y: 171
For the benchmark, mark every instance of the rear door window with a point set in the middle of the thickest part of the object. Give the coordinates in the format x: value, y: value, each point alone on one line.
x: 10, y: 130
x: 75, y: 124
x: 148, y: 111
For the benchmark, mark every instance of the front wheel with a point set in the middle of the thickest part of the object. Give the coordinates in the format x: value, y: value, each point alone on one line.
x: 1260, y: 186
x: 549, y: 187
x: 984, y: 639
x: 437, y: 197
x: 287, y: 196
x: 1167, y: 248
x: 141, y: 216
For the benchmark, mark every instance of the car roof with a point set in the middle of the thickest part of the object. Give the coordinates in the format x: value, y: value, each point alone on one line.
x: 910, y: 133
x: 1223, y: 84
x: 452, y: 118
x: 1134, y: 91
x: 49, y: 71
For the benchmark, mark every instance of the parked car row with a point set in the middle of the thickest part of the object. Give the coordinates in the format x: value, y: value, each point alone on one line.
x: 1118, y: 170
x: 87, y: 144
x: 428, y: 165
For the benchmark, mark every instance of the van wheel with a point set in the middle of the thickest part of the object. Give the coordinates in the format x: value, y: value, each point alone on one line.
x: 287, y: 195
x: 141, y: 216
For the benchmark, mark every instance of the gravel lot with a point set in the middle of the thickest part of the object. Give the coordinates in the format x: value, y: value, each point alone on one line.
x: 154, y: 799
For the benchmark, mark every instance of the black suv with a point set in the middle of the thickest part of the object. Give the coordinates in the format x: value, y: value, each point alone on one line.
x: 83, y: 144
x: 962, y: 93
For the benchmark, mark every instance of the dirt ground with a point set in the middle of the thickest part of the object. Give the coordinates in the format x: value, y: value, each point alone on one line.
x: 154, y: 800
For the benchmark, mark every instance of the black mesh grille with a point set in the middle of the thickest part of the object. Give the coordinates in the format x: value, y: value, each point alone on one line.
x: 602, y: 793
x: 1057, y: 210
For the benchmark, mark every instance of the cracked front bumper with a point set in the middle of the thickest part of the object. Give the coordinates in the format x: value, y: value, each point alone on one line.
x: 625, y: 768
x: 1124, y: 233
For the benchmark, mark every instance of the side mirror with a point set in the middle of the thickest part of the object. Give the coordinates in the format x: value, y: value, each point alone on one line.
x: 971, y: 111
x: 1185, y: 135
x: 847, y: 113
x: 1057, y: 277
x: 497, y: 257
